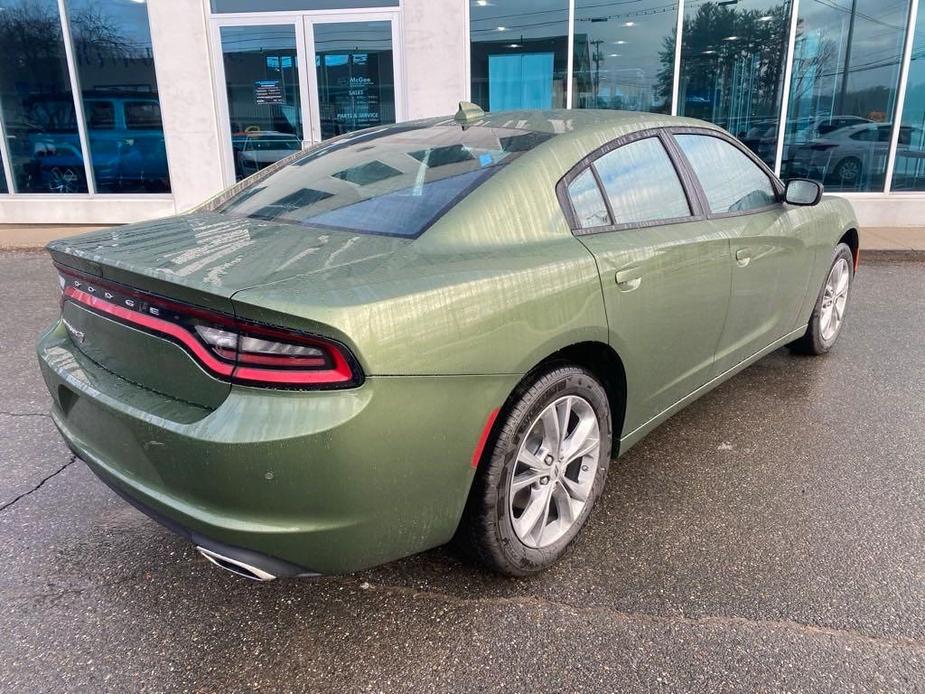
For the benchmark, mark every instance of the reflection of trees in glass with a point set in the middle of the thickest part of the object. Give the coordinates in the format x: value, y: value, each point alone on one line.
x: 30, y: 34
x: 819, y: 69
x: 728, y: 51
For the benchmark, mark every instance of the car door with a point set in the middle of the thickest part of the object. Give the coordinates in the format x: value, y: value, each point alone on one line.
x: 663, y: 269
x: 769, y: 258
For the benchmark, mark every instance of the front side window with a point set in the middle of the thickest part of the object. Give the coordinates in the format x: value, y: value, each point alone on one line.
x: 731, y: 181
x: 395, y: 182
x: 641, y: 183
x: 587, y: 201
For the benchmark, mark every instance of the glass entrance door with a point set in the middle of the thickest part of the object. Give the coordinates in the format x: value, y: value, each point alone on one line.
x: 263, y: 94
x: 291, y: 81
x: 354, y: 80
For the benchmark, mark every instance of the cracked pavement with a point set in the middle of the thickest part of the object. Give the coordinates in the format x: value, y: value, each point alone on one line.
x: 771, y: 537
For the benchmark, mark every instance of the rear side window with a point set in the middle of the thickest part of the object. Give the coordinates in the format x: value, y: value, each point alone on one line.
x: 641, y: 183
x: 395, y: 181
x: 587, y: 201
x: 731, y: 181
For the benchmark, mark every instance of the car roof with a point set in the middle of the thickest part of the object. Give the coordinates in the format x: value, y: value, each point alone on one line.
x: 576, y: 132
x: 522, y: 197
x: 560, y: 121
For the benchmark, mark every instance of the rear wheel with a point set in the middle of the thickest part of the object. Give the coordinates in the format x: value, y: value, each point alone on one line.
x: 536, y: 487
x: 828, y: 316
x: 66, y: 179
x: 848, y: 171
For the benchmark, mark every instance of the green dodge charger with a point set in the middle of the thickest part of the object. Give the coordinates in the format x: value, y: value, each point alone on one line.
x: 442, y: 329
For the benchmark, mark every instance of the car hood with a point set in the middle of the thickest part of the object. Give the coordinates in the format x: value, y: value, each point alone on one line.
x: 214, y: 255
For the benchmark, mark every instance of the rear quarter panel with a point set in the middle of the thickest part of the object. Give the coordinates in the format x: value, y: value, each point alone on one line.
x: 497, y: 311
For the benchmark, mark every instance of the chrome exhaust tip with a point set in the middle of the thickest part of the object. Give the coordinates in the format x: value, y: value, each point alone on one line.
x: 235, y: 566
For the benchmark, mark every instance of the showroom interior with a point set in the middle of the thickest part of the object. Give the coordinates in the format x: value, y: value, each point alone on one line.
x: 116, y: 111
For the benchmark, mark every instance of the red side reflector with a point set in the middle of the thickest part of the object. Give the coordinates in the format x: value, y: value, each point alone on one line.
x: 483, y: 439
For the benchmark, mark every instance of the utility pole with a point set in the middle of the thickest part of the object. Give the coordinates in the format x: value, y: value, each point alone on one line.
x: 843, y: 90
x: 597, y: 56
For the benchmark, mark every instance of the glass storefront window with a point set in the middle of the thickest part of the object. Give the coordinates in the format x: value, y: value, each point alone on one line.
x: 732, y: 68
x: 36, y: 102
x: 115, y: 67
x: 909, y: 167
x: 262, y: 82
x: 624, y: 55
x: 3, y: 188
x: 519, y: 53
x: 356, y: 85
x: 846, y: 65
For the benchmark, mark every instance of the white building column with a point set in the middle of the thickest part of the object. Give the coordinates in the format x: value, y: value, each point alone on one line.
x: 179, y: 36
x: 435, y: 37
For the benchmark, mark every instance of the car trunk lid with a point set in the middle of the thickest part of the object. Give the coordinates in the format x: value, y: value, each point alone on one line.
x: 200, y: 260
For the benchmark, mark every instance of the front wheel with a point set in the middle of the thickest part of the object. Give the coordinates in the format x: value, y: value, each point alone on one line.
x: 828, y: 316
x: 536, y: 487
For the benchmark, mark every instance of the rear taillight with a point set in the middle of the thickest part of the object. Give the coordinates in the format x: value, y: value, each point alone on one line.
x: 229, y: 348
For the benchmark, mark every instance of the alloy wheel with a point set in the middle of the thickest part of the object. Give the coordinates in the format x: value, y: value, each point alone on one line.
x: 834, y: 300
x: 554, y: 473
x: 63, y: 181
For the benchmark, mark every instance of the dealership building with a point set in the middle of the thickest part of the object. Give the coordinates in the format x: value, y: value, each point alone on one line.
x: 122, y: 110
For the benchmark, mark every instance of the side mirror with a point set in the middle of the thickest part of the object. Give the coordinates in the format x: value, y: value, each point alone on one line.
x: 802, y: 191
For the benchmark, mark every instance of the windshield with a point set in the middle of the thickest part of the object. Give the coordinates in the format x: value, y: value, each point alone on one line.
x: 396, y: 181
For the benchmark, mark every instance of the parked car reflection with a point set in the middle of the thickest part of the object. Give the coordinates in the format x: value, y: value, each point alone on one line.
x: 845, y: 157
x: 257, y: 149
x: 126, y: 144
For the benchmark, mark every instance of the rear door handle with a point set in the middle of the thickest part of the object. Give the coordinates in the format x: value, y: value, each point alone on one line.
x: 743, y: 256
x: 629, y: 279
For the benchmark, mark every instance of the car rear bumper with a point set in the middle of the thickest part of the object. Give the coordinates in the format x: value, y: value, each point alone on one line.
x: 329, y: 482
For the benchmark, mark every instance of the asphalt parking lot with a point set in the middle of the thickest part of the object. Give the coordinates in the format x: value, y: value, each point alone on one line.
x: 771, y: 537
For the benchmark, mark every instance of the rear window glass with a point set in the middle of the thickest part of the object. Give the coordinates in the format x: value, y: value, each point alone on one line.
x: 396, y: 181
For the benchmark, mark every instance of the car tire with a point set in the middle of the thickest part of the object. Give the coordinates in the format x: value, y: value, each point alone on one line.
x: 848, y: 171
x: 494, y: 528
x: 831, y: 304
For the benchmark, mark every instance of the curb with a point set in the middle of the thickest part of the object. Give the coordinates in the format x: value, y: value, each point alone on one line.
x: 891, y: 254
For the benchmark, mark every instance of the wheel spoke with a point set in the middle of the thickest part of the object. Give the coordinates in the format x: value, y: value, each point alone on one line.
x: 824, y: 321
x: 564, y: 505
x: 525, y: 479
x: 584, y: 437
x: 841, y: 282
x: 530, y: 460
x: 536, y: 510
x: 564, y: 414
x: 577, y: 491
x: 551, y: 435
x: 588, y: 446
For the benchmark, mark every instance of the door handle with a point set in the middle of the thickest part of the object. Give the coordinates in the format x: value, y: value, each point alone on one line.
x: 743, y: 256
x: 629, y: 279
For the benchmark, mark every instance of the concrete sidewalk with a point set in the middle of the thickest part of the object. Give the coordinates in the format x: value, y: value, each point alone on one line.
x: 887, y: 239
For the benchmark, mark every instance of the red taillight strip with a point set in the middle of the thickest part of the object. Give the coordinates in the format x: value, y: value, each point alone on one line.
x: 341, y: 373
x: 483, y: 439
x: 152, y: 323
x: 268, y: 360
